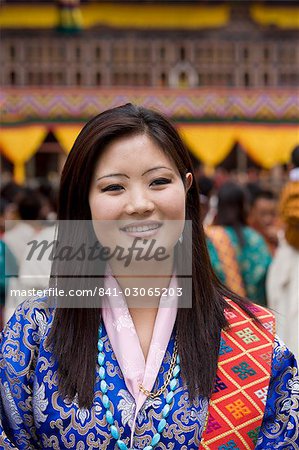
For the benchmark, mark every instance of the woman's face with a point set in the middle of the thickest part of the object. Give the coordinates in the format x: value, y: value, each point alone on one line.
x: 137, y: 188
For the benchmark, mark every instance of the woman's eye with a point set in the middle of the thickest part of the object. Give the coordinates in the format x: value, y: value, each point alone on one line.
x: 112, y: 187
x: 161, y: 181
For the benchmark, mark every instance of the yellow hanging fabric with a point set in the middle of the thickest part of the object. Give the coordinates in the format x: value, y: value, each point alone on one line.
x: 20, y: 144
x: 210, y: 143
x: 268, y: 145
x: 66, y: 135
x: 19, y: 173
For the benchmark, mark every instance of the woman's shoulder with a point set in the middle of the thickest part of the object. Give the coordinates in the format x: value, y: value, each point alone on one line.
x: 29, y: 322
x: 256, y: 309
x: 32, y: 306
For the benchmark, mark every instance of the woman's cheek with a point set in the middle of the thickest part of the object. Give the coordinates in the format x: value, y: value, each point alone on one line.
x: 105, y: 209
x: 174, y: 203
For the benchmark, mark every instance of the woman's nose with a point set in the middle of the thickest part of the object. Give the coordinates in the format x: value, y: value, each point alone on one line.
x: 139, y: 203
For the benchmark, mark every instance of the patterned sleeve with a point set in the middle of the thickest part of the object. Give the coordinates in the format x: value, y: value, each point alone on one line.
x: 19, y: 344
x: 280, y: 427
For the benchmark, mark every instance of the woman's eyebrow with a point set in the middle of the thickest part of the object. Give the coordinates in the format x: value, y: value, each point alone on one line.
x: 124, y: 175
x: 156, y: 168
x: 113, y: 175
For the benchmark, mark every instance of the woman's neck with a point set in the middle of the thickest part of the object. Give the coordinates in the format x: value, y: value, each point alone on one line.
x: 142, y: 288
x: 144, y: 321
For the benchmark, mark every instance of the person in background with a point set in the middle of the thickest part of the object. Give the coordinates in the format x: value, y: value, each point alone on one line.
x: 206, y: 187
x: 35, y: 272
x: 294, y: 165
x: 29, y: 205
x: 9, y: 191
x: 239, y: 254
x: 23, y: 230
x: 9, y: 194
x: 8, y: 265
x: 283, y: 277
x: 3, y: 215
x: 262, y: 215
x: 49, y: 200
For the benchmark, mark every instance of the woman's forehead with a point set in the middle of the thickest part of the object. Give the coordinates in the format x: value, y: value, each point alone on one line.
x: 134, y: 152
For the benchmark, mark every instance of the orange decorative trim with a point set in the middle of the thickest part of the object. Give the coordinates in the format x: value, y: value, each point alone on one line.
x: 238, y: 402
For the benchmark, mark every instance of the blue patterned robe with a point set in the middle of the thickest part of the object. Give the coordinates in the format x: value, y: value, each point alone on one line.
x: 34, y: 416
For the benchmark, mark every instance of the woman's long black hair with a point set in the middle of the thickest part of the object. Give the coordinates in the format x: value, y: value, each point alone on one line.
x: 74, y: 333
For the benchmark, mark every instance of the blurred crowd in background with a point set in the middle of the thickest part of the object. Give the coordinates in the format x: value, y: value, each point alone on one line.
x: 252, y: 236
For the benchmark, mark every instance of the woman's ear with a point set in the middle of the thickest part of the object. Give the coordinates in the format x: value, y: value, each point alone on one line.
x: 189, y: 180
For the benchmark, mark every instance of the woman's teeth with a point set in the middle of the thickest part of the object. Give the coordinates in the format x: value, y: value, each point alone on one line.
x: 141, y: 229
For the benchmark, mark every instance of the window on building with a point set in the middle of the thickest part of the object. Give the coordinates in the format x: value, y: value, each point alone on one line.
x: 39, y: 52
x: 229, y: 79
x: 134, y: 79
x: 59, y: 78
x: 209, y: 79
x: 12, y: 78
x: 163, y: 79
x: 39, y: 78
x: 98, y: 78
x: 162, y: 53
x: 287, y: 54
x: 266, y: 53
x: 78, y: 53
x: 182, y: 53
x: 209, y: 54
x: 12, y: 52
x: 245, y: 53
x: 142, y: 53
x: 146, y: 54
x: 48, y: 77
x: 199, y: 54
x: 289, y: 79
x: 119, y: 53
x: 30, y: 78
x: 28, y: 53
x: 120, y: 79
x: 146, y: 79
x: 78, y: 79
x: 266, y: 79
x: 246, y: 79
x: 115, y: 78
x: 60, y: 53
x: 183, y: 80
x: 98, y: 53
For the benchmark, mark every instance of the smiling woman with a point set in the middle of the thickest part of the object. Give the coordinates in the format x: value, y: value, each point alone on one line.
x: 144, y: 201
x: 165, y: 356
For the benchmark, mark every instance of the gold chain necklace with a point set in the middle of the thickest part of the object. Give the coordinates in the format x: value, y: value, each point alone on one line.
x: 168, y: 376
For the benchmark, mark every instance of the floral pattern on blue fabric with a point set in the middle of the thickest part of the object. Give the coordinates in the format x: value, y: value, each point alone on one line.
x: 34, y: 416
x: 280, y: 427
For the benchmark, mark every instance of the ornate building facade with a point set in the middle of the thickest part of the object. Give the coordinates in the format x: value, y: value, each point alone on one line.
x: 241, y: 53
x: 226, y: 72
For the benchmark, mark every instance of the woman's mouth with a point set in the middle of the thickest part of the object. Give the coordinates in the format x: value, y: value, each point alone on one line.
x: 142, y: 231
